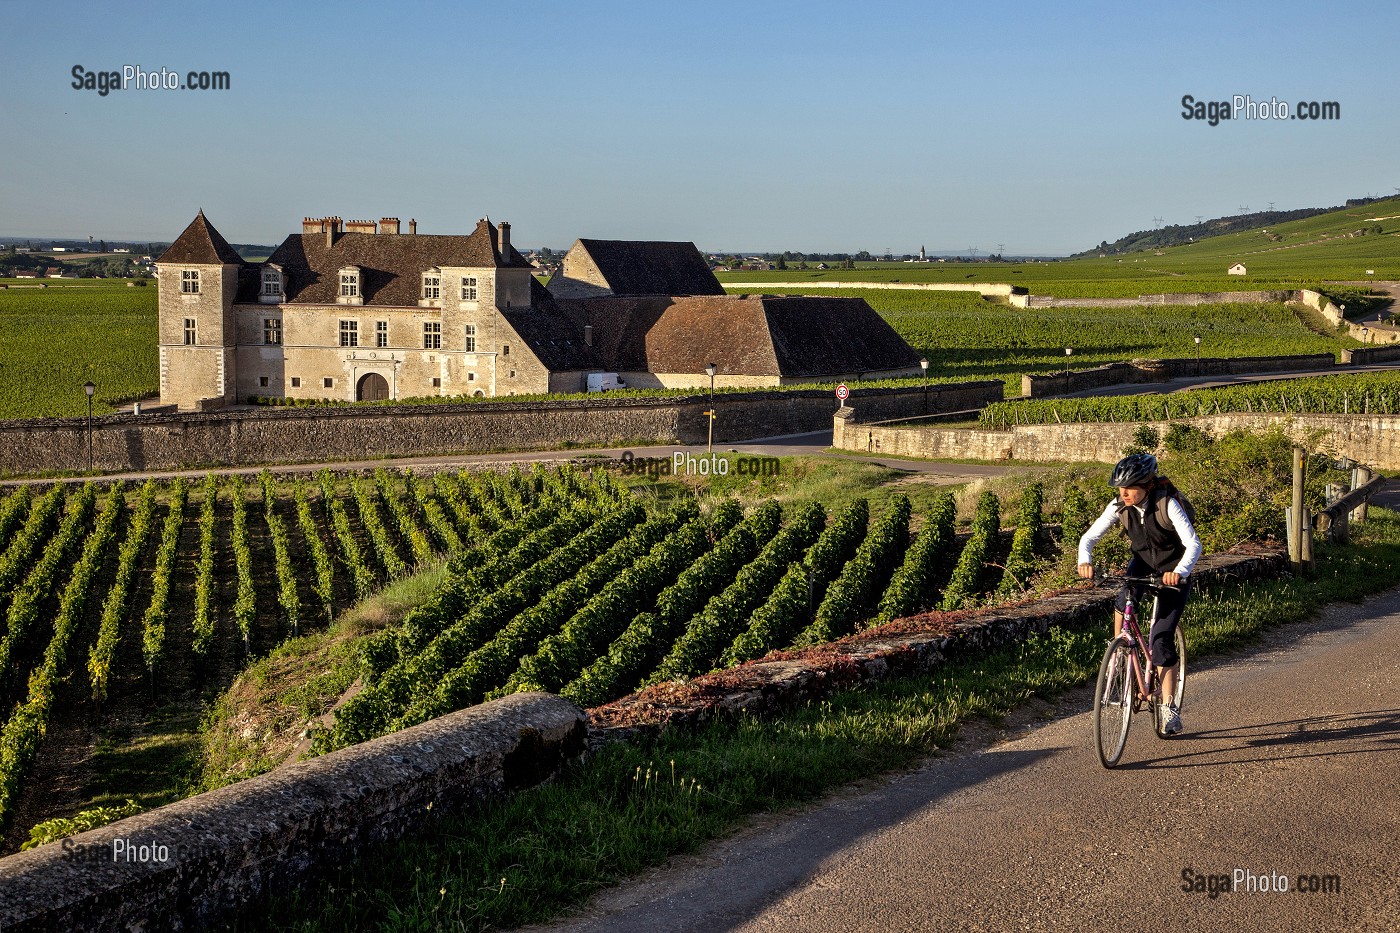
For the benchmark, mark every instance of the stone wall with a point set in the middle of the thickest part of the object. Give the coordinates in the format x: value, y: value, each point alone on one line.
x: 985, y: 289
x: 1040, y: 385
x: 214, y: 853
x: 1167, y: 298
x: 1369, y: 333
x: 1370, y: 439
x: 289, y: 435
x: 1364, y: 356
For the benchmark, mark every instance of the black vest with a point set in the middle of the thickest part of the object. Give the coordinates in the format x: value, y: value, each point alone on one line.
x: 1158, y: 545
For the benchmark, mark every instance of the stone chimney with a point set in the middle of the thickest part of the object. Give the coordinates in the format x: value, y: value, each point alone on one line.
x: 412, y: 225
x: 310, y: 225
x: 588, y: 335
x: 331, y: 227
x: 505, y: 242
x: 361, y: 226
x: 389, y: 225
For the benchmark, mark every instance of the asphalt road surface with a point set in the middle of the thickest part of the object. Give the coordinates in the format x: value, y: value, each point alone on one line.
x: 1289, y: 766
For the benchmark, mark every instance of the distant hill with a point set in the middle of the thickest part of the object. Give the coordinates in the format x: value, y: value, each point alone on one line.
x: 1179, y: 234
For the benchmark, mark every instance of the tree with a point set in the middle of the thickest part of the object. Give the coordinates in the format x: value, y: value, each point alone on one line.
x: 102, y: 246
x: 782, y: 263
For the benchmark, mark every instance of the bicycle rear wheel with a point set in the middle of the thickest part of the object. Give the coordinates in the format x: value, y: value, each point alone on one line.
x: 1113, y: 704
x: 1179, y: 692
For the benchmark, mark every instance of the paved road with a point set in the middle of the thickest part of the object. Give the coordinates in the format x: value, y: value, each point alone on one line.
x: 1290, y: 764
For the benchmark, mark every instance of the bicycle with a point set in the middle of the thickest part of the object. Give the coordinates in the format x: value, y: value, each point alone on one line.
x: 1128, y: 681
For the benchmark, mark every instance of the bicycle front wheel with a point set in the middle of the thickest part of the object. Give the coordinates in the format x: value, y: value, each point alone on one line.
x: 1113, y: 704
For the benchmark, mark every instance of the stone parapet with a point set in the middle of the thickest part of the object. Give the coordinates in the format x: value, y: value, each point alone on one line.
x: 185, y: 865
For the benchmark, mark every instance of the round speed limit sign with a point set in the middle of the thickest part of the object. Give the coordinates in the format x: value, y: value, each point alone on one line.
x: 842, y: 392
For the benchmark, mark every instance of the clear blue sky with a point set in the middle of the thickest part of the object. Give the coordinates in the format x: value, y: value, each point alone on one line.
x: 741, y: 126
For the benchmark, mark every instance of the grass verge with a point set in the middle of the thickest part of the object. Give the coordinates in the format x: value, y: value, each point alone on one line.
x: 544, y: 851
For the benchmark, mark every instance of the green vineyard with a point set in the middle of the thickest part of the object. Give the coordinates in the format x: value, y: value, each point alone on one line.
x: 1363, y: 393
x: 556, y: 580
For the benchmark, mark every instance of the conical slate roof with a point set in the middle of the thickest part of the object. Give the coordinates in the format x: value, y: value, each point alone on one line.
x: 200, y: 244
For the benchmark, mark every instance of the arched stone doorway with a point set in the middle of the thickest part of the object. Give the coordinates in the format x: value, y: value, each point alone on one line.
x: 372, y: 388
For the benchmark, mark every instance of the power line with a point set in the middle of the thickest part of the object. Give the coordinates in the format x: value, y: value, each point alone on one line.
x: 1157, y: 221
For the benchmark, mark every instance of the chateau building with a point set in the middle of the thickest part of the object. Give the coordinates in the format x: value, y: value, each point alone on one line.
x: 358, y: 310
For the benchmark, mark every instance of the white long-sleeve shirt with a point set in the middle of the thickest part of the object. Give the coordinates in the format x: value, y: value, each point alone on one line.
x: 1180, y: 523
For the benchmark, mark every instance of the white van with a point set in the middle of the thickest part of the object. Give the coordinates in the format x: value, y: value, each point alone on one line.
x: 602, y: 382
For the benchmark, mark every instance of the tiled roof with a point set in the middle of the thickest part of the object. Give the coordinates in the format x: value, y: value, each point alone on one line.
x: 201, y: 243
x: 760, y: 336
x: 828, y: 336
x: 652, y: 267
x: 553, y: 338
x: 391, y: 264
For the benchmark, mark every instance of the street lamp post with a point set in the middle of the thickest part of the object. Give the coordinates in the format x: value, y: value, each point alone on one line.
x: 89, y: 388
x: 923, y: 364
x: 1198, y: 354
x: 710, y: 370
x: 1365, y: 335
x: 1069, y: 351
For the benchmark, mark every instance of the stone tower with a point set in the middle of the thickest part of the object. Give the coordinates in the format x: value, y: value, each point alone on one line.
x: 198, y: 280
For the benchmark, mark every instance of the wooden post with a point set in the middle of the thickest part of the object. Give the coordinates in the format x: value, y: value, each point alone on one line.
x: 1337, y: 531
x: 1360, y: 476
x: 1291, y: 534
x: 1295, y: 515
x: 1307, y: 562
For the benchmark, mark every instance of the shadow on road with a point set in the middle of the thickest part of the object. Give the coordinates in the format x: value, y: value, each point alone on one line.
x: 1304, y: 738
x: 756, y: 869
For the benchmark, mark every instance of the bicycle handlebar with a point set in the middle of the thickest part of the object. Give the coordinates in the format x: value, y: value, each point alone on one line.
x: 1153, y: 582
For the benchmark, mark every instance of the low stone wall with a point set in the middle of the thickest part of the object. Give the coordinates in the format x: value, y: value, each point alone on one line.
x: 1041, y: 385
x: 1167, y: 298
x: 986, y: 289
x: 289, y: 435
x: 1370, y: 439
x: 1368, y: 333
x: 911, y: 646
x: 1364, y: 356
x: 212, y: 854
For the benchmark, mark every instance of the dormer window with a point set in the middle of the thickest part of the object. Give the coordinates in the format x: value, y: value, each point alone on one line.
x: 430, y: 295
x: 189, y: 281
x: 351, y: 292
x: 271, y: 285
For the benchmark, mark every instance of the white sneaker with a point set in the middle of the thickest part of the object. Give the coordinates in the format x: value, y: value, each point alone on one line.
x: 1171, y: 719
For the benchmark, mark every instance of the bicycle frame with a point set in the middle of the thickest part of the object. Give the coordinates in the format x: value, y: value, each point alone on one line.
x: 1145, y: 680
